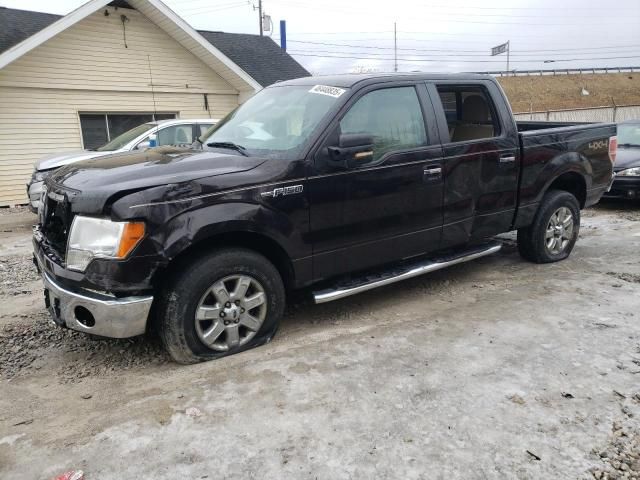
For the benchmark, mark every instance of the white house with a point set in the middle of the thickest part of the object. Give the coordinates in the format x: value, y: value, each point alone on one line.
x: 76, y: 81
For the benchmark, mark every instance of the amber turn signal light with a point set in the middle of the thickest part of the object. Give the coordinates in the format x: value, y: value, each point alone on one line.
x: 131, y: 236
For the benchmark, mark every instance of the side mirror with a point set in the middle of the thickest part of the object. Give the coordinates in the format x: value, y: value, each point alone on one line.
x: 143, y: 145
x: 353, y: 150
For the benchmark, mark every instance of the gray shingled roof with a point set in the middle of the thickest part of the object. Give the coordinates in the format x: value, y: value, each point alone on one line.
x: 17, y: 25
x: 259, y: 56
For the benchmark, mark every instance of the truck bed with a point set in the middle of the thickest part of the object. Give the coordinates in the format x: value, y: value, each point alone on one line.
x: 529, y: 125
x: 548, y: 147
x: 531, y: 133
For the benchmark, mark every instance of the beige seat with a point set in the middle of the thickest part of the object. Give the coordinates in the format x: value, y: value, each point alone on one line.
x: 475, y: 120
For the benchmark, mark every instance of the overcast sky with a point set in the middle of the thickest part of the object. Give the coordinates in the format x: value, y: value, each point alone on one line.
x: 335, y: 36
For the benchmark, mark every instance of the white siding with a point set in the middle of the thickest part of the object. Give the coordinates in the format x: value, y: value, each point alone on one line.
x: 35, y: 122
x: 88, y: 69
x: 92, y: 54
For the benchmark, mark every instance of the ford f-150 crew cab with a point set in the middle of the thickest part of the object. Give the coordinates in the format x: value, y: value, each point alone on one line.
x: 339, y: 183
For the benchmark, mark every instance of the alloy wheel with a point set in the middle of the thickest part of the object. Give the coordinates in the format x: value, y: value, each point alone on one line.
x: 231, y: 312
x: 559, y: 231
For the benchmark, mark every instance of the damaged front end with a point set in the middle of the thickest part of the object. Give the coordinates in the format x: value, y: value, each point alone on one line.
x: 108, y: 228
x: 105, y: 298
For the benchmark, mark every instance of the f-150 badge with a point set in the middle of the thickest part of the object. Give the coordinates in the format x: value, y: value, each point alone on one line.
x: 282, y: 191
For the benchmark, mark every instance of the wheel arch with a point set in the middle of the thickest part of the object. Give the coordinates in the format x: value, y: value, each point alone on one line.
x: 251, y: 240
x: 570, y: 181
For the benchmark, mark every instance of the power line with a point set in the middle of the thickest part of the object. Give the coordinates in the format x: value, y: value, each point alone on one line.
x: 387, y: 33
x: 211, y: 9
x: 206, y: 3
x: 599, y: 23
x: 440, y: 54
x: 369, y: 47
x: 412, y: 60
x: 605, y: 9
x: 458, y: 14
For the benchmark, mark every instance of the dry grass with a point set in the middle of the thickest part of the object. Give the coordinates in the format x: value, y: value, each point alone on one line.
x: 549, y: 92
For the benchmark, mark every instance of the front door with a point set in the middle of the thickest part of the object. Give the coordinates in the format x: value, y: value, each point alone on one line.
x: 387, y: 206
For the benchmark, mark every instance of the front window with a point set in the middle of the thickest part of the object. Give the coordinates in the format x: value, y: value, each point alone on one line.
x: 276, y: 121
x: 400, y: 128
x: 629, y: 135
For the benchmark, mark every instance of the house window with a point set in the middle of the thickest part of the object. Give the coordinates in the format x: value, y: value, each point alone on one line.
x: 100, y: 128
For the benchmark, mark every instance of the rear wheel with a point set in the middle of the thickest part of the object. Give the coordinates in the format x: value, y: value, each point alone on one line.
x: 554, y: 231
x: 223, y: 303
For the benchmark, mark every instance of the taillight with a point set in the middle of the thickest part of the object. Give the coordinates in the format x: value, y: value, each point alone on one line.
x: 613, y: 148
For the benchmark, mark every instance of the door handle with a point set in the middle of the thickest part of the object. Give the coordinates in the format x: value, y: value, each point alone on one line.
x: 431, y: 174
x: 507, y: 158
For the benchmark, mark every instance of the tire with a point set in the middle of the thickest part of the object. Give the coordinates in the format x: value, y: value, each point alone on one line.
x: 533, y: 241
x: 191, y: 310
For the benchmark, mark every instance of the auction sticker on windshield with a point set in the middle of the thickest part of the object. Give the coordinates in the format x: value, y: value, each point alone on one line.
x: 334, y: 92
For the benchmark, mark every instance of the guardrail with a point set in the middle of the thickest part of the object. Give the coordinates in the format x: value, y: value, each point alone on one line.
x: 607, y: 113
x: 561, y: 71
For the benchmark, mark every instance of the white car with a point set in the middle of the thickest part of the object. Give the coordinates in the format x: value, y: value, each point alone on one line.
x: 168, y: 132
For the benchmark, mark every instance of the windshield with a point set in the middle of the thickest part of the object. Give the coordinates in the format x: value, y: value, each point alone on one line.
x: 629, y: 134
x: 275, y: 120
x: 121, y: 140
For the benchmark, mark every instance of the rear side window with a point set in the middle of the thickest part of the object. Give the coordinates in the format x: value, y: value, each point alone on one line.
x: 392, y: 115
x: 470, y: 113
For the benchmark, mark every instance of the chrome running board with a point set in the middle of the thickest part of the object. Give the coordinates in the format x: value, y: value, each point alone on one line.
x: 415, y: 269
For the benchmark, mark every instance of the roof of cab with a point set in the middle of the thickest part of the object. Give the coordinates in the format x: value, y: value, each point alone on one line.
x: 351, y: 80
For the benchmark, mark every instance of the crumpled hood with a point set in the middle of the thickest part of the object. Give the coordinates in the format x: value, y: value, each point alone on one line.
x: 627, y: 158
x: 60, y: 159
x: 92, y: 182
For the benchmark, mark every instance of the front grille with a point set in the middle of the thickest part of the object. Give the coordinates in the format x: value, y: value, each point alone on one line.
x: 56, y: 222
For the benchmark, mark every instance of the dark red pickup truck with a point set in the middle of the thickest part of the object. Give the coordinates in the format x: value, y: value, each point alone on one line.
x: 341, y: 183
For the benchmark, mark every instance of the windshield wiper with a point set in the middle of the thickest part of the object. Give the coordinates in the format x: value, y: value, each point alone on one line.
x: 230, y: 146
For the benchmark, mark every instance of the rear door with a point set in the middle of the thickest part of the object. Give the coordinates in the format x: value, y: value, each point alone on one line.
x: 481, y: 160
x: 389, y: 207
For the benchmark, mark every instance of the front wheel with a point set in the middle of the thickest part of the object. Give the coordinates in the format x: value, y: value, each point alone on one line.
x: 554, y: 231
x: 223, y: 303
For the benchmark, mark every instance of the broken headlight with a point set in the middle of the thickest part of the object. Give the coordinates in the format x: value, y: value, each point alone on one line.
x: 40, y: 175
x: 92, y: 237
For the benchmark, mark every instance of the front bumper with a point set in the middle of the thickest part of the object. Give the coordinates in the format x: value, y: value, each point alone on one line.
x: 624, y: 188
x: 92, y: 312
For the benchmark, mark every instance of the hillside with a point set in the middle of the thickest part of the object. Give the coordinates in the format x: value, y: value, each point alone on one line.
x: 554, y: 92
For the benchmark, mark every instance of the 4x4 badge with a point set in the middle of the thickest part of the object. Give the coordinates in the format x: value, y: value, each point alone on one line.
x: 281, y: 191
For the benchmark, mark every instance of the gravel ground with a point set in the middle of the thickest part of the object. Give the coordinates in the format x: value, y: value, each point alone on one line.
x: 27, y: 335
x: 13, y: 211
x: 621, y: 455
x: 493, y: 369
x: 22, y: 347
x: 17, y: 272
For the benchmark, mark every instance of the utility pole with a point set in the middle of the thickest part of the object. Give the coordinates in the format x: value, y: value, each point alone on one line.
x: 395, y: 48
x: 508, y: 48
x: 260, y: 16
